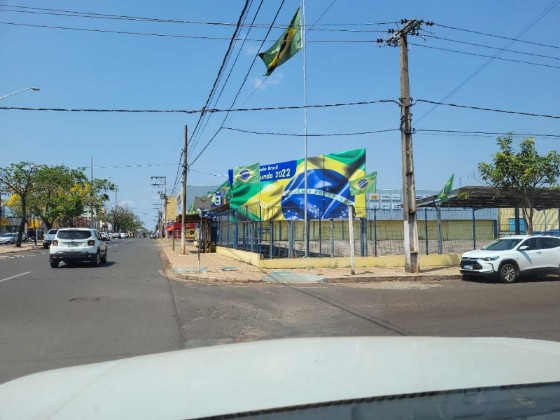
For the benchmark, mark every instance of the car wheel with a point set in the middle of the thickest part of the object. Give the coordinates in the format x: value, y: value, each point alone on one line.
x: 54, y: 264
x: 95, y: 262
x: 45, y: 246
x: 467, y: 277
x: 508, y: 273
x: 103, y: 259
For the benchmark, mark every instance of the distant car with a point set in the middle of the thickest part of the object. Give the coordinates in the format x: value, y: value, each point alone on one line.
x: 513, y: 256
x: 105, y: 236
x: 115, y: 235
x: 77, y: 245
x: 124, y: 235
x: 47, y: 240
x: 8, y: 238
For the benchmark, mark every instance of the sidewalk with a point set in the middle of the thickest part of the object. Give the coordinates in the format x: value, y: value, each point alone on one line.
x: 216, y: 268
x: 25, y: 246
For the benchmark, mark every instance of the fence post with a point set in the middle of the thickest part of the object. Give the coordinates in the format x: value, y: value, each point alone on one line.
x: 362, y: 244
x: 474, y: 228
x: 375, y: 232
x: 332, y: 236
x: 320, y: 236
x: 351, y: 235
x: 235, y: 230
x: 426, y: 230
x: 439, y: 235
x: 290, y: 238
x: 271, y: 237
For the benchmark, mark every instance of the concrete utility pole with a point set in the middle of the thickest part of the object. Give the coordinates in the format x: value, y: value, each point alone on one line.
x: 161, y: 181
x: 184, y: 198
x: 412, y: 261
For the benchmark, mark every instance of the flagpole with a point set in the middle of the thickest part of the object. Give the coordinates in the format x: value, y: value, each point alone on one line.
x: 305, y: 218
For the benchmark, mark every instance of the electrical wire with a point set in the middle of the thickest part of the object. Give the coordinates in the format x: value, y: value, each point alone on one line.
x: 273, y: 108
x: 491, y: 47
x: 94, y: 15
x: 160, y: 35
x: 228, y: 76
x: 487, y: 62
x: 242, y: 85
x: 496, y: 36
x: 478, y: 108
x: 485, y: 56
x: 271, y: 133
x: 481, y: 133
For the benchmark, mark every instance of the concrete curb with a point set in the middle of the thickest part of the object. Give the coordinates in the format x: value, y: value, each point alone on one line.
x: 369, y: 279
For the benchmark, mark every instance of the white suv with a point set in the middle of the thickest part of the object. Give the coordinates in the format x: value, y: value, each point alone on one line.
x: 77, y: 245
x: 510, y: 257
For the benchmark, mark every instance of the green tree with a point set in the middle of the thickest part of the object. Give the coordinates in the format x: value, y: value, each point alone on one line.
x: 18, y: 178
x: 55, y: 194
x: 124, y: 219
x: 523, y: 172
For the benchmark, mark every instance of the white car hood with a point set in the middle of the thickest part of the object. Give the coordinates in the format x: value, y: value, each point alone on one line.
x: 278, y: 373
x: 482, y: 253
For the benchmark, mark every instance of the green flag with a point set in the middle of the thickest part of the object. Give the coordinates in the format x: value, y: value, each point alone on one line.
x: 363, y: 185
x: 246, y: 183
x: 285, y: 48
x: 443, y: 195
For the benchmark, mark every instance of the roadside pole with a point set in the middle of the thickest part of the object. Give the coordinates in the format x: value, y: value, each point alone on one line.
x: 184, y: 198
x: 351, y: 236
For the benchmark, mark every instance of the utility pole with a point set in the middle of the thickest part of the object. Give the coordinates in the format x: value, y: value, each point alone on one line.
x: 161, y: 181
x: 184, y: 197
x: 91, y: 193
x: 412, y: 261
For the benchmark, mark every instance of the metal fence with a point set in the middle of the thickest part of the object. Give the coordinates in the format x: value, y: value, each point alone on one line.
x: 450, y: 230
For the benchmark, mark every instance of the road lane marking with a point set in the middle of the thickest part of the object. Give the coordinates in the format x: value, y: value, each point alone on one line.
x: 13, y: 277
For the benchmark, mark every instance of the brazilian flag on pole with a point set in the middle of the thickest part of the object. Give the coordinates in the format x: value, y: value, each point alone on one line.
x: 246, y: 184
x: 285, y: 48
x: 444, y: 193
x: 365, y: 184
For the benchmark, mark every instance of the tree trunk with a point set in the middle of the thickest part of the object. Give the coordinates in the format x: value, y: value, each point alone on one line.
x: 22, y: 224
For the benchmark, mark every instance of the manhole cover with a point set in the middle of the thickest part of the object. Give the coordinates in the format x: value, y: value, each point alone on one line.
x: 84, y: 299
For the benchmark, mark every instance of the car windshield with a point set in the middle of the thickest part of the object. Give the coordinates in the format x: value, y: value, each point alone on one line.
x: 7, y: 235
x: 53, y: 231
x: 502, y: 244
x: 74, y: 234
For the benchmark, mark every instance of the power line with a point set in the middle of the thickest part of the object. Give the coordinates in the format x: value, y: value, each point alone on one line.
x: 498, y: 53
x: 271, y: 108
x: 195, y: 141
x: 271, y: 133
x: 140, y: 165
x: 241, y: 18
x: 485, y: 56
x: 496, y: 36
x: 491, y: 47
x: 160, y: 35
x: 481, y: 133
x: 478, y: 108
x: 240, y: 87
x: 94, y: 15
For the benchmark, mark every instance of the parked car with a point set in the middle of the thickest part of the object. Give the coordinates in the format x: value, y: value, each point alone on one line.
x: 124, y: 235
x: 77, y: 245
x: 8, y: 238
x: 105, y: 236
x: 115, y: 235
x: 511, y: 257
x: 47, y: 240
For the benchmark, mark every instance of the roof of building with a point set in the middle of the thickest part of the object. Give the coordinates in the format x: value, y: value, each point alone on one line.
x: 491, y: 197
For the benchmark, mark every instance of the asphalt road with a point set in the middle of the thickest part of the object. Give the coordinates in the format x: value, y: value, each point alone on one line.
x: 51, y: 318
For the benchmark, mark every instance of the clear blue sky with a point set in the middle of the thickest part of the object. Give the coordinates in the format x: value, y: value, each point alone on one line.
x: 79, y: 69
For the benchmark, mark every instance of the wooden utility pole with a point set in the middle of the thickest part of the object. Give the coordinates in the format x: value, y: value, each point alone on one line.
x: 412, y: 261
x: 184, y: 198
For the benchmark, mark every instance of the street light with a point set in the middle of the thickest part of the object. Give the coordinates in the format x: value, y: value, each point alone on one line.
x: 19, y: 91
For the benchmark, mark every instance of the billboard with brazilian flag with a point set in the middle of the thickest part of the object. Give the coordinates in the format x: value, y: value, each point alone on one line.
x: 281, y: 194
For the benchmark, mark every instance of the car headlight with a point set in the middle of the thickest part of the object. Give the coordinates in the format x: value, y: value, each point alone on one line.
x: 490, y: 258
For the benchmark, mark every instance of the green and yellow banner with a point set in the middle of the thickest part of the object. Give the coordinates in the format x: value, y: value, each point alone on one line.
x: 281, y: 193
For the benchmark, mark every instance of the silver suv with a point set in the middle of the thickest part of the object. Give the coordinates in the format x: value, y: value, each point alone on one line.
x: 513, y: 256
x: 49, y: 236
x: 77, y: 245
